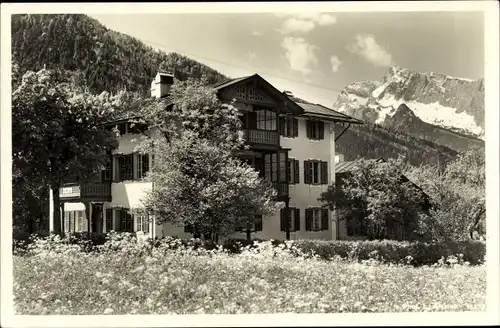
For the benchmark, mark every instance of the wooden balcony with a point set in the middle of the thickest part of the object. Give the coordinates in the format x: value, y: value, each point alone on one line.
x: 262, y: 137
x: 90, y: 191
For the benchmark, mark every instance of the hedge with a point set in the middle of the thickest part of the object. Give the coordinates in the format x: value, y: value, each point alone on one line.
x: 386, y: 251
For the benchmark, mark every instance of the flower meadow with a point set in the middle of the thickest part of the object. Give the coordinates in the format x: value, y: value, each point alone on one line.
x: 129, y: 275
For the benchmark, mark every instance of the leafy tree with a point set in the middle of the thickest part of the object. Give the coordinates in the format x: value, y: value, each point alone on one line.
x: 374, y: 198
x: 458, y: 196
x: 57, y: 131
x: 197, y: 179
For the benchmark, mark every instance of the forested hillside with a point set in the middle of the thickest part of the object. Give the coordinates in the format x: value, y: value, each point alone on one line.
x: 373, y: 141
x: 105, y: 59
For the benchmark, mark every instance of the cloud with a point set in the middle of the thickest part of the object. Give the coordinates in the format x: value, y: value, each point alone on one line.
x: 296, y: 25
x: 301, y: 55
x: 367, y: 47
x: 304, y: 22
x: 256, y: 33
x: 335, y: 62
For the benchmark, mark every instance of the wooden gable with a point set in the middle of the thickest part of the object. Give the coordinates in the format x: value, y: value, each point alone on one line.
x: 254, y: 90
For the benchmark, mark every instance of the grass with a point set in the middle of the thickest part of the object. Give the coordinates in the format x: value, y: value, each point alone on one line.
x: 271, y: 280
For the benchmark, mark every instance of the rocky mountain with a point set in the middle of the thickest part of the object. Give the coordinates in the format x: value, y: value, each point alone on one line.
x: 436, y: 107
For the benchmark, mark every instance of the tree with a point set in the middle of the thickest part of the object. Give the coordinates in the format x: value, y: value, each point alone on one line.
x: 58, y: 132
x: 457, y: 193
x: 197, y: 179
x: 374, y: 198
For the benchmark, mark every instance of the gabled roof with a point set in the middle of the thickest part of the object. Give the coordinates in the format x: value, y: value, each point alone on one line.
x: 345, y: 167
x: 323, y: 112
x: 291, y: 105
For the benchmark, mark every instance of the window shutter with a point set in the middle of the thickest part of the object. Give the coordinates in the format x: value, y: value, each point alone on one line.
x: 109, y: 219
x: 258, y: 223
x: 324, y: 172
x: 295, y: 124
x: 252, y: 120
x: 308, y: 128
x: 307, y: 172
x: 296, y: 171
x: 324, y: 219
x: 296, y: 217
x: 309, y: 214
x: 321, y: 127
x: 282, y: 126
x: 282, y: 220
x: 145, y: 164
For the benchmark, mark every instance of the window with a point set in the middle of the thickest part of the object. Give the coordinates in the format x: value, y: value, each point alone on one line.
x: 315, y: 172
x: 142, y: 166
x: 316, y: 219
x: 315, y: 130
x: 122, y: 127
x: 294, y: 222
x: 136, y: 128
x: 289, y: 127
x: 266, y: 120
x: 125, y: 167
x: 109, y: 219
x: 254, y: 226
x: 126, y: 221
x: 142, y: 223
x: 293, y: 171
x: 108, y: 170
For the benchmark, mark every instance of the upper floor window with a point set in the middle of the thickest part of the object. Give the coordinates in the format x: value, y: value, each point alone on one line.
x: 315, y: 129
x: 293, y: 171
x: 289, y: 127
x: 142, y: 165
x: 266, y: 120
x: 125, y: 167
x: 315, y: 172
x: 108, y: 170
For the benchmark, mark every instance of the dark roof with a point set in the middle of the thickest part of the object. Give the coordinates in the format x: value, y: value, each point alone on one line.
x: 226, y: 83
x: 345, y: 167
x: 321, y: 111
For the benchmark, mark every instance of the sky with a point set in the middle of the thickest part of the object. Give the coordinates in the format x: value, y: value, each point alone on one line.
x: 316, y: 55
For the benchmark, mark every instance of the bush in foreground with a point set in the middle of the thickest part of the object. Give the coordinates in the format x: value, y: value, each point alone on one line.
x: 128, y: 275
x: 385, y: 251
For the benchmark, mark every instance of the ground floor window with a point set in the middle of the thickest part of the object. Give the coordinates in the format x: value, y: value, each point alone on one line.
x: 316, y: 219
x: 75, y: 221
x: 142, y: 223
x: 294, y: 222
x: 126, y: 221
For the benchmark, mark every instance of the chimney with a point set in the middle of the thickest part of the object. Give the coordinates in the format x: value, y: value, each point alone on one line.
x: 161, y: 84
x: 339, y: 158
x: 288, y: 93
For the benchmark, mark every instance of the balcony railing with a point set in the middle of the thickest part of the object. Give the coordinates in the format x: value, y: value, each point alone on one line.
x: 263, y: 137
x: 86, y: 190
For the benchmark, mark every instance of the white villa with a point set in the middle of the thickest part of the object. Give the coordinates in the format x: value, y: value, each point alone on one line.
x: 292, y: 144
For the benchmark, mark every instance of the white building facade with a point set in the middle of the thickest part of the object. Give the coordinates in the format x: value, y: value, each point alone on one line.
x: 292, y: 144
